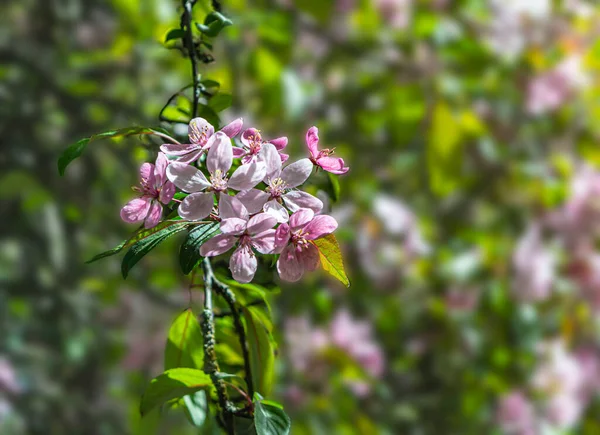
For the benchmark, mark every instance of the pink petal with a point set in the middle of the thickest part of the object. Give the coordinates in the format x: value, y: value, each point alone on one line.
x: 280, y: 142
x: 284, y: 157
x: 231, y: 207
x: 238, y: 152
x: 147, y: 173
x: 297, y: 199
x: 264, y: 242
x: 335, y: 165
x: 278, y: 211
x: 159, y: 169
x: 312, y: 141
x: 136, y: 210
x: 253, y: 200
x: 154, y: 215
x: 199, y: 130
x: 247, y: 176
x: 187, y: 178
x: 233, y: 226
x: 220, y: 154
x: 190, y: 157
x: 217, y: 245
x: 261, y: 222
x: 233, y: 128
x: 270, y: 156
x: 320, y: 226
x: 167, y: 192
x: 309, y: 257
x: 297, y: 173
x: 289, y: 267
x: 301, y: 218
x: 196, y: 206
x: 243, y: 264
x: 250, y: 135
x: 282, y: 236
x: 173, y: 149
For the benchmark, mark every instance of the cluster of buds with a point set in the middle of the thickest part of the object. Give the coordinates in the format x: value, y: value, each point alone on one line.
x: 259, y: 206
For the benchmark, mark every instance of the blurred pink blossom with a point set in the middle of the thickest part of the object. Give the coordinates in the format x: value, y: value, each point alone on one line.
x: 515, y: 414
x: 396, y: 13
x: 8, y: 377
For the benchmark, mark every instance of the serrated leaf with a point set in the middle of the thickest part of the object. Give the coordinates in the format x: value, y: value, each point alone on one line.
x: 270, y: 418
x: 141, y: 248
x: 184, y: 343
x: 262, y: 356
x: 173, y: 384
x: 174, y: 34
x: 75, y: 150
x: 189, y: 253
x: 140, y: 234
x: 331, y: 258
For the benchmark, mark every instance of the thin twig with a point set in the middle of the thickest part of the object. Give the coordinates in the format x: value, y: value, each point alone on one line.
x: 186, y: 25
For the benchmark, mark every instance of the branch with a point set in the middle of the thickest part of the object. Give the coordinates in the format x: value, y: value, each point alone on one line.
x: 186, y: 26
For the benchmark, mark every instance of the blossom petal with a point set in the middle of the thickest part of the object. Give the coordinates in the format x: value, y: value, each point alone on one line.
x: 147, y: 173
x: 301, y: 218
x: 220, y: 154
x: 335, y: 165
x: 167, y: 192
x: 196, y: 206
x: 247, y: 176
x: 296, y: 173
x: 320, y: 226
x: 276, y: 210
x: 233, y: 226
x: 261, y: 222
x: 279, y: 143
x: 297, y: 199
x: 232, y: 207
x: 243, y: 264
x: 282, y: 236
x: 190, y: 157
x: 187, y: 178
x: 253, y: 200
x: 233, y: 128
x: 154, y: 215
x: 136, y: 210
x: 250, y: 135
x: 309, y: 256
x: 175, y: 149
x: 284, y: 157
x: 159, y: 169
x: 289, y: 266
x: 264, y: 242
x: 270, y: 156
x: 199, y: 130
x: 238, y: 152
x: 312, y: 141
x: 217, y: 245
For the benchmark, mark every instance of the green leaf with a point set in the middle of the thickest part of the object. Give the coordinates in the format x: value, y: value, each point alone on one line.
x: 173, y: 384
x: 262, y: 356
x: 197, y: 407
x: 209, y: 84
x: 334, y: 186
x: 270, y: 418
x: 189, y: 253
x: 213, y: 24
x: 220, y: 102
x: 140, y: 234
x: 75, y: 150
x: 141, y: 248
x: 331, y: 258
x: 174, y: 34
x: 184, y: 343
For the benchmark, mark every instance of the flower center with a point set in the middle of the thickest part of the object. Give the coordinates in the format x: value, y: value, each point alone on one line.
x: 276, y: 187
x: 298, y: 239
x: 147, y: 189
x: 197, y: 135
x: 218, y: 180
x: 326, y: 152
x: 255, y: 143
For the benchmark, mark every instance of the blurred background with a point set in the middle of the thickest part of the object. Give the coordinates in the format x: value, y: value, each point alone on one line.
x: 470, y: 217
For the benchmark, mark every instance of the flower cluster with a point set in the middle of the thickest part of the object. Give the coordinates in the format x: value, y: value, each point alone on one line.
x: 259, y: 205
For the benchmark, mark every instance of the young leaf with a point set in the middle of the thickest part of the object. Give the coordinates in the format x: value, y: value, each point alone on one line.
x: 331, y: 258
x: 173, y: 384
x: 184, y: 344
x: 262, y: 357
x: 141, y: 248
x: 75, y: 150
x: 189, y: 253
x: 174, y: 34
x: 269, y: 418
x: 213, y: 24
x: 140, y: 234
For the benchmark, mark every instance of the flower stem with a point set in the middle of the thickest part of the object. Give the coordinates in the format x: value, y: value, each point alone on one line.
x: 186, y: 26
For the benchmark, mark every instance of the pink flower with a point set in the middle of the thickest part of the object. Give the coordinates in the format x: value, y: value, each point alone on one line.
x: 8, y: 377
x: 321, y: 158
x: 298, y: 254
x: 154, y: 190
x: 199, y: 132
x: 199, y: 204
x: 515, y: 414
x: 253, y: 143
x: 280, y: 187
x: 248, y: 233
